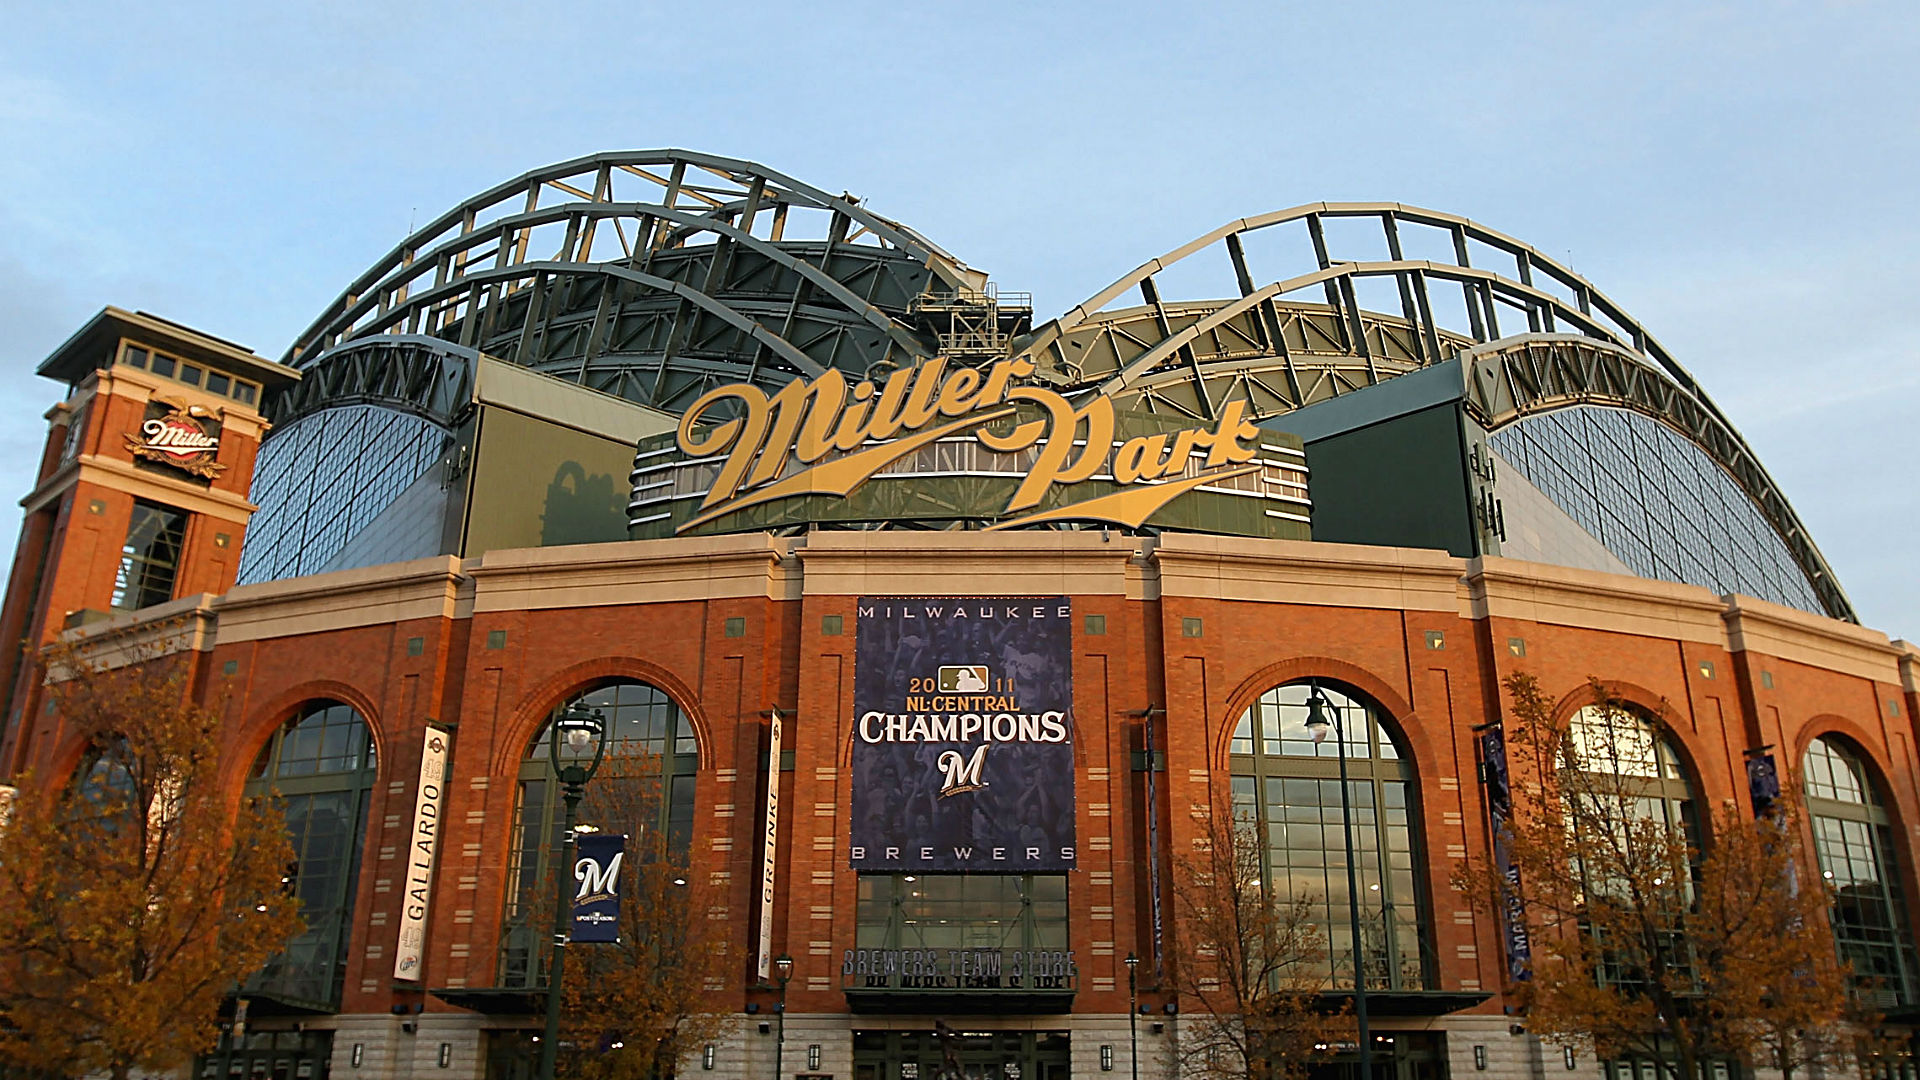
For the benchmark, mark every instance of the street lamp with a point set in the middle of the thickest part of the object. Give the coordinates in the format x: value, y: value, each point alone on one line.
x: 1319, y: 724
x: 782, y: 971
x: 577, y: 733
x: 1133, y: 1016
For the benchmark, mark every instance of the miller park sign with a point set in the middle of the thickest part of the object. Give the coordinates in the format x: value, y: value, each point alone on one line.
x: 946, y: 445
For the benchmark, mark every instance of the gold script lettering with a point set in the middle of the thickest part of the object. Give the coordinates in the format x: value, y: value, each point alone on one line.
x: 808, y: 419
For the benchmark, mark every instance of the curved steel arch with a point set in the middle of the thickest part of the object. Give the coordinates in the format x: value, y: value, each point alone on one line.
x: 1278, y: 352
x: 410, y: 373
x: 1482, y: 290
x: 591, y: 269
x: 1528, y: 374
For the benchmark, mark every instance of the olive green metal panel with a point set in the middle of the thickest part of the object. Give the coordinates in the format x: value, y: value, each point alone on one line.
x: 536, y: 484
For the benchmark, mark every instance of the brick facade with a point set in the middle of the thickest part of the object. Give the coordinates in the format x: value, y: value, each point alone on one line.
x: 1427, y: 636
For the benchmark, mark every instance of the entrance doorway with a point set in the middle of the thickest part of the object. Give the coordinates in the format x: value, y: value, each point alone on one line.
x: 269, y: 1055
x: 980, y: 1055
x: 1397, y: 1055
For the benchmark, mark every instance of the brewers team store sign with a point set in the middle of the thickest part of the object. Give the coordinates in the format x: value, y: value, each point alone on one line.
x: 963, y: 735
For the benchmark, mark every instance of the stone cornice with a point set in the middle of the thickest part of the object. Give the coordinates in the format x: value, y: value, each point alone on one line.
x: 1303, y: 572
x: 1591, y: 600
x: 1791, y: 634
x: 635, y: 572
x: 397, y: 592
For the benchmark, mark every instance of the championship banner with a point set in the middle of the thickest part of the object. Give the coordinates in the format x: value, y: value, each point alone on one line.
x: 596, y: 904
x: 1513, y: 913
x: 963, y: 735
x: 428, y: 801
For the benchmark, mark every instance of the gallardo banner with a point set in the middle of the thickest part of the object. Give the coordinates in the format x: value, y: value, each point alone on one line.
x: 963, y: 735
x: 596, y: 904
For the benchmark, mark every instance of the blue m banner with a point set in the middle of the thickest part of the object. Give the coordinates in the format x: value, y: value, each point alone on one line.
x: 597, y: 865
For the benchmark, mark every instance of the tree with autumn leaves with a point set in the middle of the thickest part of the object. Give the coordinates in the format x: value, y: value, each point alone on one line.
x: 633, y: 1010
x: 1255, y: 963
x: 1647, y: 939
x: 137, y: 895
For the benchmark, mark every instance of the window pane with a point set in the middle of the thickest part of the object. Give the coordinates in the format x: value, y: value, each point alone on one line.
x: 150, y: 557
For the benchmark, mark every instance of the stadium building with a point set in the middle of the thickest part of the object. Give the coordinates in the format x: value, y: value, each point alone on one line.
x: 947, y: 630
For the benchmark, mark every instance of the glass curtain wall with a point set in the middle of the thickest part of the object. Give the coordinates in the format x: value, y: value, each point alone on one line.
x: 1290, y: 785
x: 1859, y: 860
x: 150, y: 558
x: 962, y: 911
x: 322, y: 766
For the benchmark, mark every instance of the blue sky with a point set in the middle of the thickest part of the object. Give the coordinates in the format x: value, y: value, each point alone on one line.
x: 1738, y: 176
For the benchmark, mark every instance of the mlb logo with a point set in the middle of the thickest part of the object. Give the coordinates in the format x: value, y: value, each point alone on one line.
x: 964, y: 679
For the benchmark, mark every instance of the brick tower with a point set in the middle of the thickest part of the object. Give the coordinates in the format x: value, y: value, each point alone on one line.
x: 141, y: 495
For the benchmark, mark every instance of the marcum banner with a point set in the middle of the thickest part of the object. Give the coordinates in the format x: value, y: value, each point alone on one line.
x: 1513, y: 908
x: 596, y: 902
x: 963, y: 735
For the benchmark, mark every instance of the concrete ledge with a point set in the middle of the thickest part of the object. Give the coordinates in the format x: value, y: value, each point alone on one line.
x: 1303, y: 572
x: 373, y: 596
x: 1084, y: 563
x: 1815, y: 640
x: 635, y: 572
x: 1591, y: 600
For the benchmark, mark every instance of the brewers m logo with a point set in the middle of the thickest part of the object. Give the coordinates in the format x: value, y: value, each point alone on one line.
x: 184, y: 437
x: 962, y: 773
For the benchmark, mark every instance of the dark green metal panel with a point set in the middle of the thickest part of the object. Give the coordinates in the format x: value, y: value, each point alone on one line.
x: 1401, y: 482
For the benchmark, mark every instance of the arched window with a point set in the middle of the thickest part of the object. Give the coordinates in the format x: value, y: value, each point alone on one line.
x: 103, y: 777
x: 322, y: 766
x: 1290, y: 784
x: 1859, y: 860
x: 644, y: 788
x: 1639, y: 762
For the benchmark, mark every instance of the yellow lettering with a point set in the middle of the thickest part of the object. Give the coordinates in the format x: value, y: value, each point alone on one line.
x: 852, y: 429
x: 1056, y: 463
x: 920, y: 409
x: 818, y: 403
x: 1223, y: 445
x: 808, y: 419
x: 960, y: 393
x: 1183, y: 444
x: 741, y: 436
x: 1139, y: 459
x: 889, y: 414
x: 1002, y: 372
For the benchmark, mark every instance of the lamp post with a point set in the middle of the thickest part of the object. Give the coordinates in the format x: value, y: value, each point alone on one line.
x: 782, y: 971
x: 577, y: 731
x: 1319, y: 724
x: 1133, y: 1016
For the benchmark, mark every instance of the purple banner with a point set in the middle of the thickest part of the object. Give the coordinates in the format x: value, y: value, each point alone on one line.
x: 1513, y: 913
x: 963, y: 735
x: 1763, y: 783
x: 597, y: 860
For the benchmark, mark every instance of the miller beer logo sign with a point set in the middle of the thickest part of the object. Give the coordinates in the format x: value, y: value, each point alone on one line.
x: 841, y: 435
x: 182, y: 437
